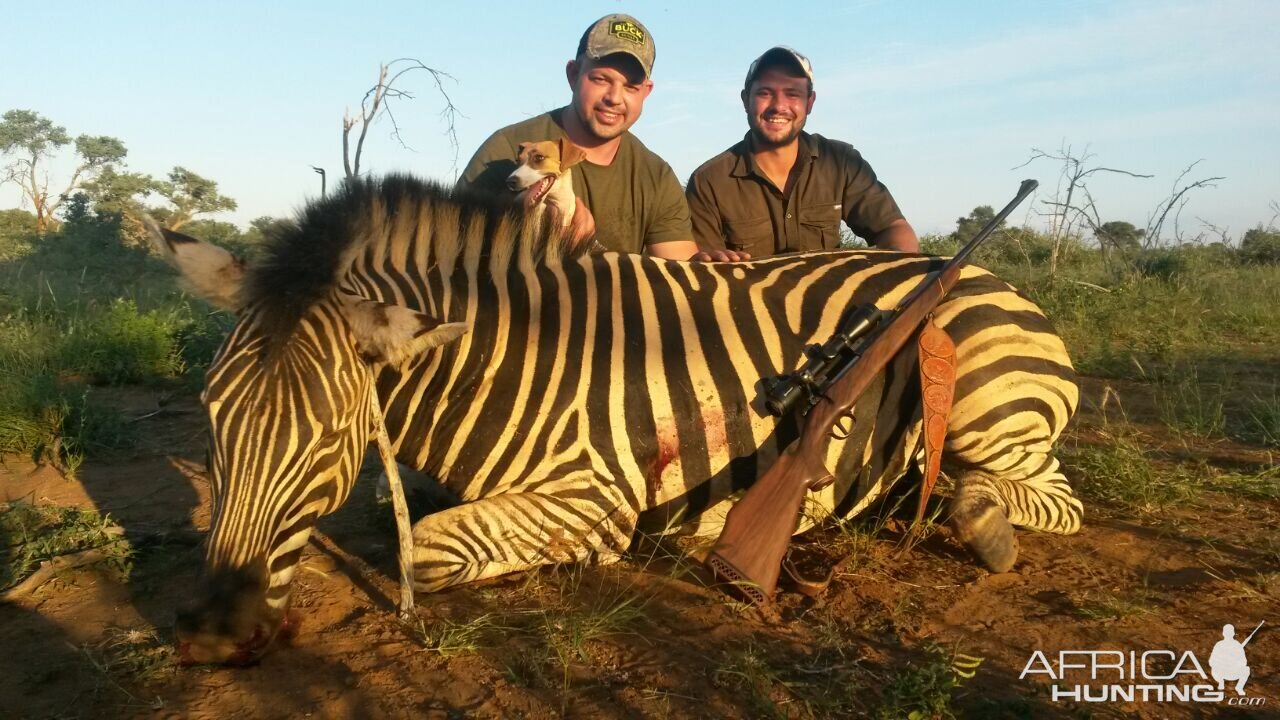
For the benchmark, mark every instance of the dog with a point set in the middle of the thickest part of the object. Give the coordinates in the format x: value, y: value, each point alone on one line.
x: 544, y: 176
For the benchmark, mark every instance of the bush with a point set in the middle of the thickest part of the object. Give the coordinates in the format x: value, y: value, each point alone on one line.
x: 49, y: 419
x: 1261, y: 246
x: 17, y: 233
x: 1160, y: 263
x: 122, y: 346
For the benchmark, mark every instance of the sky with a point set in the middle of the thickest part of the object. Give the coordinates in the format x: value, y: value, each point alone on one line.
x: 944, y: 99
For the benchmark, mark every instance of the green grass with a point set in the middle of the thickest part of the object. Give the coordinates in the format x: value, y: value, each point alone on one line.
x: 1138, y: 326
x: 925, y: 689
x: 77, y: 312
x: 1191, y: 406
x: 1261, y: 418
x: 139, y: 656
x: 447, y: 638
x: 1262, y: 484
x: 31, y: 534
x: 748, y: 672
x: 1114, y: 606
x: 1120, y: 472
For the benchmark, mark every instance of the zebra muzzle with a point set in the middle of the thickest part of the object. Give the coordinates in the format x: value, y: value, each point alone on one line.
x: 244, y: 653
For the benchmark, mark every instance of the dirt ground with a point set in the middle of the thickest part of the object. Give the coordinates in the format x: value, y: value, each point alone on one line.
x: 895, y: 634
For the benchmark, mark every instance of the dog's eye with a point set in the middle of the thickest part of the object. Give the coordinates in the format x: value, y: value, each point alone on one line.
x: 539, y: 158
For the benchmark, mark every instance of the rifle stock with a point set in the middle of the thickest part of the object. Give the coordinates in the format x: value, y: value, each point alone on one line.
x: 748, y: 554
x: 758, y: 528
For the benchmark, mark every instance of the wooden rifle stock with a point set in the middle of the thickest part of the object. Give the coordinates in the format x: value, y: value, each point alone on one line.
x: 758, y: 528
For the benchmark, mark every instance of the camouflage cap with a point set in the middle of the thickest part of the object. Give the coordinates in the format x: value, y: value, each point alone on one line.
x: 619, y: 34
x: 779, y: 55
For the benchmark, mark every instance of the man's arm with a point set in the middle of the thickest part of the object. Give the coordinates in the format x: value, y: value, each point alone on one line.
x: 707, y: 232
x: 669, y: 235
x: 898, y: 236
x: 870, y: 209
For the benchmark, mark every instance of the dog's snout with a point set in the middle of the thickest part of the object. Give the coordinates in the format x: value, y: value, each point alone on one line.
x: 513, y: 183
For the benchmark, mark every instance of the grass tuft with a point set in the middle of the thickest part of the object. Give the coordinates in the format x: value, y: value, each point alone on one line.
x: 32, y: 534
x: 1120, y: 473
x: 925, y: 690
x: 451, y: 639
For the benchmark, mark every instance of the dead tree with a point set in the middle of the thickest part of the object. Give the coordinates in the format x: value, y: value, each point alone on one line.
x: 1066, y: 211
x: 378, y: 100
x: 1173, y: 204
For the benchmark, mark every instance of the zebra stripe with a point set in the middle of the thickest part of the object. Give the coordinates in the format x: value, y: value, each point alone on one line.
x: 592, y: 394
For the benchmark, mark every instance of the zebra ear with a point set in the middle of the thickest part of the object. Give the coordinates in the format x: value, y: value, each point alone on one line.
x: 394, y: 334
x: 208, y: 271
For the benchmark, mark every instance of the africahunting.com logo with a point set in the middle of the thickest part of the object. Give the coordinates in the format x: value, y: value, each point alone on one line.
x: 1150, y: 675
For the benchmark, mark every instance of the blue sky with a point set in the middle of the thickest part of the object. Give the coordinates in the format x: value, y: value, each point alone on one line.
x: 944, y: 99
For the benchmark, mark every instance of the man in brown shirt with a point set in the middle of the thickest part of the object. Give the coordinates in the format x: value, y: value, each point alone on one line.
x: 782, y: 189
x: 628, y: 197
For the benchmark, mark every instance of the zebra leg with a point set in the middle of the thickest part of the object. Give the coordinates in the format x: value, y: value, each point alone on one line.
x: 1027, y: 490
x: 519, y: 531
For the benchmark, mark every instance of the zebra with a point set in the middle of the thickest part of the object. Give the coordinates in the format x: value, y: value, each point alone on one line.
x: 570, y: 399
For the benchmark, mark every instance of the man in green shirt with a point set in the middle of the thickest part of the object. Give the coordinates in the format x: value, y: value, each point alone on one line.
x: 628, y: 197
x: 782, y: 189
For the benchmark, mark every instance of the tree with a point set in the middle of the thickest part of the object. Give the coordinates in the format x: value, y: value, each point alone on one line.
x: 31, y: 140
x: 263, y: 227
x: 1119, y: 235
x: 1261, y: 245
x: 16, y: 223
x: 191, y: 195
x: 113, y: 191
x: 377, y: 101
x: 967, y: 227
x: 1072, y: 204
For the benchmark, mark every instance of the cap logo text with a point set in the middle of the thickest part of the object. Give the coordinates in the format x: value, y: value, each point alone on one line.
x: 627, y: 30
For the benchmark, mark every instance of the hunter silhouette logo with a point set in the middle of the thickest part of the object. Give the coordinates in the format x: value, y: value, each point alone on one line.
x: 627, y: 30
x: 1227, y: 661
x: 1149, y: 675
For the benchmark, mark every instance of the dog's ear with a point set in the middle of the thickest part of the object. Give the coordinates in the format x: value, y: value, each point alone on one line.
x: 570, y: 154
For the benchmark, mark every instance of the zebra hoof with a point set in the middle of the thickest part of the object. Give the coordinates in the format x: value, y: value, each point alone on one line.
x: 981, y: 526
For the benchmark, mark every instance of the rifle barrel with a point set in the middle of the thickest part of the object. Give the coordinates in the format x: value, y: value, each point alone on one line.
x: 1255, y: 632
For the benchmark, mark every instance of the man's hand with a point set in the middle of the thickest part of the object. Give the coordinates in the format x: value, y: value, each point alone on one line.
x: 721, y: 256
x: 583, y: 226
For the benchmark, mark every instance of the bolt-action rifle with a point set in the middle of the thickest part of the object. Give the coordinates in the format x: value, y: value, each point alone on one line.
x: 758, y: 529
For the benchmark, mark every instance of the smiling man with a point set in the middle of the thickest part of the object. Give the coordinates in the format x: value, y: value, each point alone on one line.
x: 628, y: 197
x: 782, y: 189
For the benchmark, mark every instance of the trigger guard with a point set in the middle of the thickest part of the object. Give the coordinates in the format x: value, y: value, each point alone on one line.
x: 837, y: 430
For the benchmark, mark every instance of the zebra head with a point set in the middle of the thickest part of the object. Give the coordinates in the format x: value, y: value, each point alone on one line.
x: 289, y: 418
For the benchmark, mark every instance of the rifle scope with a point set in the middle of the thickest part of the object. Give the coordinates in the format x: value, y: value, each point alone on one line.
x: 825, y: 362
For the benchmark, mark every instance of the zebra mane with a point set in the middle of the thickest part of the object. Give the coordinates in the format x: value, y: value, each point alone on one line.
x: 384, y: 223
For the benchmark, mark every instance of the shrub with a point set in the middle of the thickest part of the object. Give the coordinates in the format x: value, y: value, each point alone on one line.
x: 1261, y: 246
x: 1160, y: 263
x: 122, y: 346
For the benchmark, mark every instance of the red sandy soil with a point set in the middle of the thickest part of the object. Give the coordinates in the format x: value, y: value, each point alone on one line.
x: 1177, y: 576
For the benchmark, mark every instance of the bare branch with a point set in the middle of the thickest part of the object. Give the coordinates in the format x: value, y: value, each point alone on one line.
x: 1220, y: 232
x: 1067, y: 213
x: 367, y: 114
x: 1174, y: 203
x: 378, y: 99
x: 1087, y: 173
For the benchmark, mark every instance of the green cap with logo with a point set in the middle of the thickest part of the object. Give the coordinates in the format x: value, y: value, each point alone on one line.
x: 619, y: 33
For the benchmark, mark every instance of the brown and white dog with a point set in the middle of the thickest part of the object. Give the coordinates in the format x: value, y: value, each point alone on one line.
x: 544, y: 176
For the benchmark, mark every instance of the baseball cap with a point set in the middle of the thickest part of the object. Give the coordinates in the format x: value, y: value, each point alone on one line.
x: 780, y: 55
x: 618, y: 33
